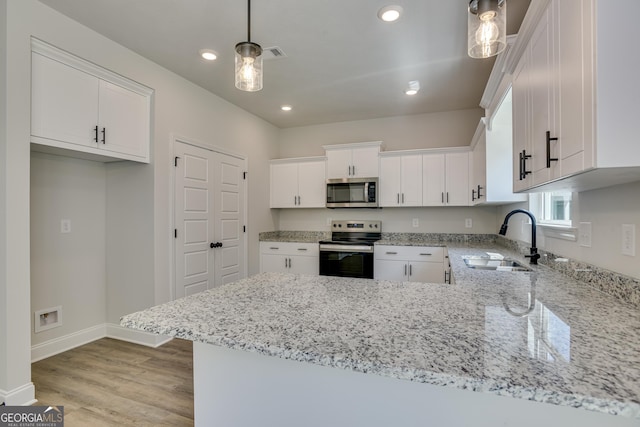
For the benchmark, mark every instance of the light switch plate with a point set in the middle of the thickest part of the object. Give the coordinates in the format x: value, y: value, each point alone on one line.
x: 415, y: 223
x: 468, y: 223
x: 584, y: 234
x: 629, y: 239
x: 65, y: 226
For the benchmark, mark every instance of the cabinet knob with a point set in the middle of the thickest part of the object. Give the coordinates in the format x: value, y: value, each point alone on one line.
x: 215, y: 245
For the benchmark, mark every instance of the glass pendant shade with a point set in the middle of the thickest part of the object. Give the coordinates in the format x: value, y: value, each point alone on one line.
x: 487, y: 28
x: 248, y: 66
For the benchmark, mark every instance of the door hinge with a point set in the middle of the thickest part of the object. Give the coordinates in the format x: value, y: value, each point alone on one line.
x: 175, y: 161
x: 244, y: 228
x: 244, y: 175
x: 175, y: 233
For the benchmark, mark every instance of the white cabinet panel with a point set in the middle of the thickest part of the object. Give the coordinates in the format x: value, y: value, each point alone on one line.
x: 123, y: 120
x: 445, y: 179
x: 409, y: 263
x: 63, y: 102
x: 358, y: 160
x: 289, y: 257
x: 81, y: 108
x: 401, y: 180
x: 298, y: 183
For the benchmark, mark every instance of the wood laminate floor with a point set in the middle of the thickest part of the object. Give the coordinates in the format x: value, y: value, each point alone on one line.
x: 115, y: 383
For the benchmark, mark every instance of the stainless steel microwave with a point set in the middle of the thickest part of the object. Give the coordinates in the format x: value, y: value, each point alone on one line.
x: 352, y: 193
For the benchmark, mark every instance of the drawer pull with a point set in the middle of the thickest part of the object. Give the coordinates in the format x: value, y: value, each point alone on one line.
x: 391, y: 253
x: 302, y: 249
x: 426, y: 254
x: 274, y: 248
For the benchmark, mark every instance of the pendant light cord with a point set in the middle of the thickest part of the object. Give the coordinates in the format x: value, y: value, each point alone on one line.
x: 249, y: 20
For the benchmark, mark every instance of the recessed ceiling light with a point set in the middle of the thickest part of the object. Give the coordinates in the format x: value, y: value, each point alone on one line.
x: 390, y: 13
x: 286, y: 108
x: 208, y: 54
x: 413, y: 87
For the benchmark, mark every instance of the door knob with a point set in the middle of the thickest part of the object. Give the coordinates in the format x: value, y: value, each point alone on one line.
x: 215, y: 245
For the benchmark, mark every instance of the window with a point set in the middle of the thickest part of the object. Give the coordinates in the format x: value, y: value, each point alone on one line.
x: 553, y: 208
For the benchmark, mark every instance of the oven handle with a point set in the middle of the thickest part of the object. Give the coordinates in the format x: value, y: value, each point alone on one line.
x: 346, y: 248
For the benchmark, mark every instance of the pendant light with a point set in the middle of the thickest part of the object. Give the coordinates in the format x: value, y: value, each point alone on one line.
x: 487, y: 28
x: 248, y: 61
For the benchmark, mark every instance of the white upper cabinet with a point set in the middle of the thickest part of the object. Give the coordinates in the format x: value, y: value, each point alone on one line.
x: 445, y: 179
x: 491, y: 176
x: 359, y: 160
x: 575, y: 93
x: 298, y: 183
x: 81, y: 108
x: 400, y: 180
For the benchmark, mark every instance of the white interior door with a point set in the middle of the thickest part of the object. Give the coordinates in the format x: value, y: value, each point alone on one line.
x: 209, y: 243
x: 228, y: 218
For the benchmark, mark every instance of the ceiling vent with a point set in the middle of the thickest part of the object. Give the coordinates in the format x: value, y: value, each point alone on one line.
x: 274, y: 52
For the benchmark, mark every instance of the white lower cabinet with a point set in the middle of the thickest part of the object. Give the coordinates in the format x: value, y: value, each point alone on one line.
x: 289, y: 257
x: 410, y: 264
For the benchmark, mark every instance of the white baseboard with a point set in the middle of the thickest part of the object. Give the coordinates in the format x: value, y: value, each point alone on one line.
x: 21, y: 396
x: 136, y: 337
x: 85, y: 336
x: 67, y: 342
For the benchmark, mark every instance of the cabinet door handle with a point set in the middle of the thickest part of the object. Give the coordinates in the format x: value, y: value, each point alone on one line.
x: 289, y: 262
x: 442, y: 197
x: 286, y: 263
x: 96, y: 131
x: 299, y: 200
x: 405, y: 269
x: 473, y: 195
x: 549, y: 158
x: 410, y: 270
x: 104, y: 135
x: 354, y: 170
x: 398, y: 197
x: 525, y: 156
x: 479, y: 191
x: 349, y: 170
x: 403, y: 198
x: 447, y: 197
x: 521, y: 162
x: 446, y: 277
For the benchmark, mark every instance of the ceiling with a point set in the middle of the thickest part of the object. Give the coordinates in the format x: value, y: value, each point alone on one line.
x: 342, y: 63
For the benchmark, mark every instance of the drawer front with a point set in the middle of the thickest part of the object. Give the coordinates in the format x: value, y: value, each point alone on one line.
x: 289, y: 248
x: 410, y: 253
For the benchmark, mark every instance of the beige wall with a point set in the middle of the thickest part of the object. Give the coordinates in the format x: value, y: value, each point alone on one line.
x: 448, y: 129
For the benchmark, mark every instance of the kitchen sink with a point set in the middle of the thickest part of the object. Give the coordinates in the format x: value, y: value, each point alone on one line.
x: 491, y: 263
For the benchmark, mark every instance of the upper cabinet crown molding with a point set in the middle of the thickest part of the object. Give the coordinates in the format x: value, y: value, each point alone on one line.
x: 352, y: 145
x: 498, y: 82
x: 60, y: 55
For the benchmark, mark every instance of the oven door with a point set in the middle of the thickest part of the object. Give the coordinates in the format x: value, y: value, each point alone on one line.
x: 346, y: 261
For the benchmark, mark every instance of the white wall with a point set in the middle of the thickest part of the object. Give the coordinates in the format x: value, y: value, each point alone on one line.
x: 141, y: 227
x: 3, y: 196
x: 68, y: 270
x: 446, y: 129
x: 607, y: 209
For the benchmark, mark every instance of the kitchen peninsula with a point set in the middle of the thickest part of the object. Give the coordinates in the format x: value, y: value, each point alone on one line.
x: 495, y: 348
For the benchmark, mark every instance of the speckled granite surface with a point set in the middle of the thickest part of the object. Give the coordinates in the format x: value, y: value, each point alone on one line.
x: 537, y: 335
x: 294, y: 236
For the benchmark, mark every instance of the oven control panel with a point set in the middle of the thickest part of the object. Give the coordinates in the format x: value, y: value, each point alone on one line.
x: 356, y: 226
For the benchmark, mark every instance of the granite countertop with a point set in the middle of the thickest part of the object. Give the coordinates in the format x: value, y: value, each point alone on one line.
x: 533, y: 335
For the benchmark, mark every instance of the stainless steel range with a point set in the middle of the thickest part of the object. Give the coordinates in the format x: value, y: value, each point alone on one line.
x: 349, y: 253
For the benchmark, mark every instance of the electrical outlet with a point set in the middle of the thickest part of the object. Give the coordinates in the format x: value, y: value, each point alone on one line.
x: 328, y: 221
x: 584, y: 234
x: 65, y: 226
x: 468, y: 223
x: 415, y: 223
x: 629, y: 239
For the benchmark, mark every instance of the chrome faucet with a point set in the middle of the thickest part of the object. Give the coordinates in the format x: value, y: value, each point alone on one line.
x: 533, y: 254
